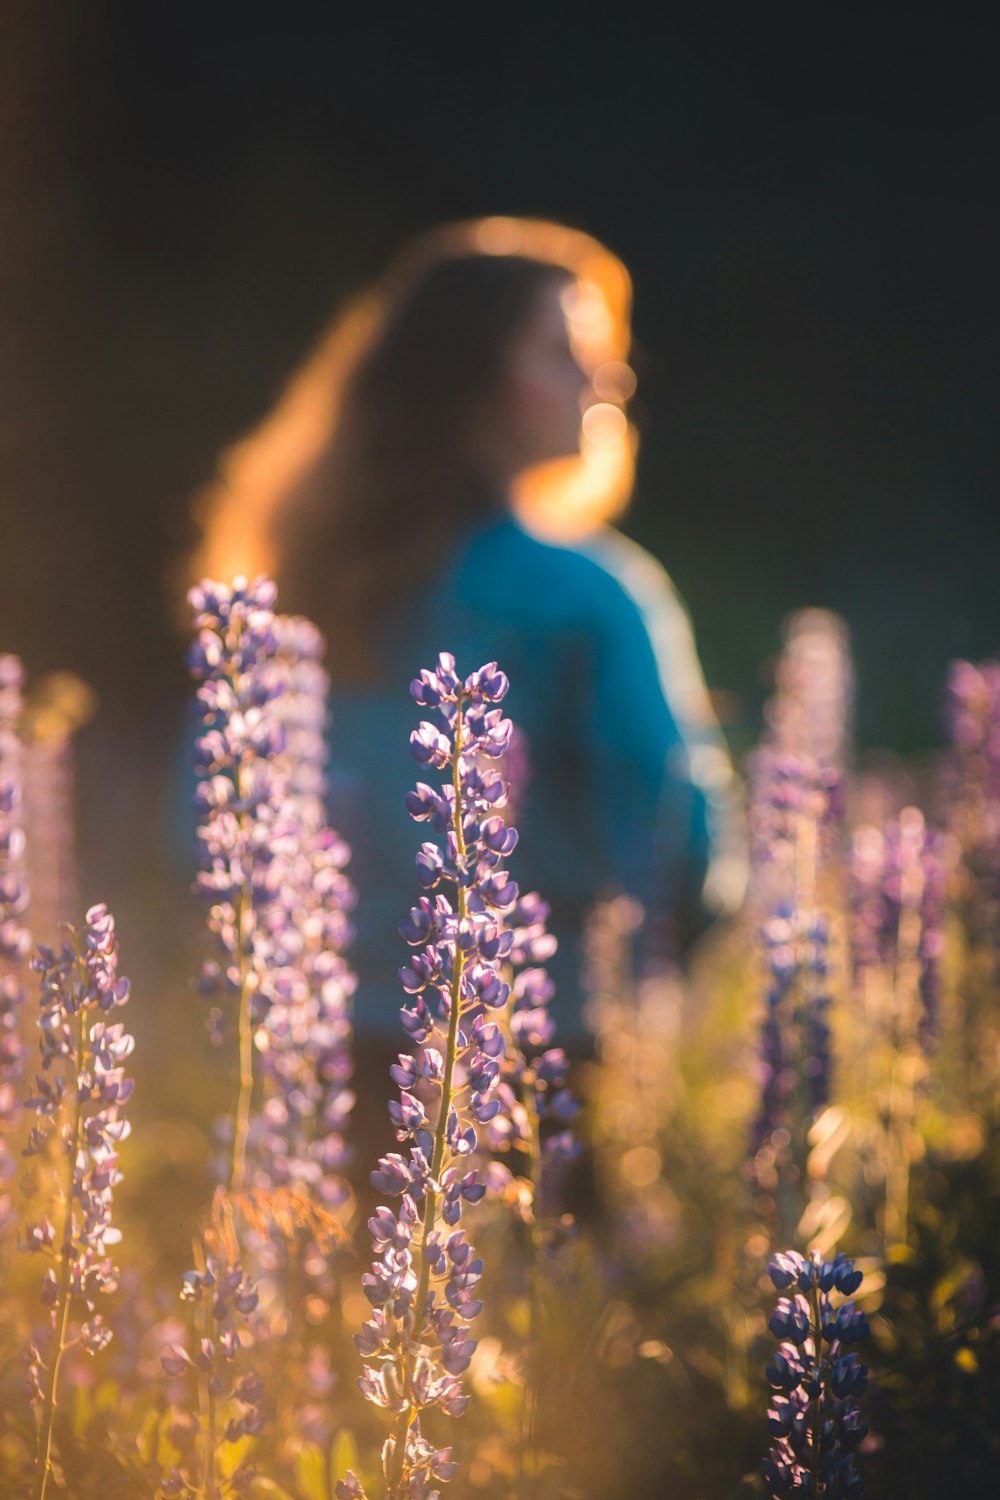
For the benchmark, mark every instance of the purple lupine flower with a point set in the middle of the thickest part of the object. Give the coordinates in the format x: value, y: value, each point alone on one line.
x: 240, y: 795
x: 424, y: 1279
x: 896, y: 894
x: 223, y: 1300
x: 78, y: 1101
x: 532, y: 1103
x: 973, y: 713
x: 814, y: 1416
x: 307, y: 1062
x: 896, y: 891
x: 15, y: 939
x: 273, y: 872
x: 797, y: 774
x: 810, y: 712
x: 62, y: 705
x: 794, y: 1047
x: 792, y: 799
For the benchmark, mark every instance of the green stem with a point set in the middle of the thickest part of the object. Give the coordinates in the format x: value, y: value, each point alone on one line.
x: 405, y: 1420
x: 901, y: 1111
x: 209, y: 1406
x: 530, y: 1404
x: 210, y: 1446
x: 817, y: 1419
x: 60, y: 1315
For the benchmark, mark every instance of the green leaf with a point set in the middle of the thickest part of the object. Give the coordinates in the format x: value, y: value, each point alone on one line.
x: 107, y: 1397
x: 343, y: 1456
x: 310, y: 1471
x: 266, y: 1489
x: 231, y: 1455
x: 167, y: 1451
x: 147, y: 1436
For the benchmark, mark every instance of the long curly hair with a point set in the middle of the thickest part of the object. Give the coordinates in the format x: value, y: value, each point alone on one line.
x: 353, y: 487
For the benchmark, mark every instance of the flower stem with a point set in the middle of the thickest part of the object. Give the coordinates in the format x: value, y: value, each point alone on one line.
x: 396, y: 1472
x: 817, y: 1417
x: 211, y: 1442
x: 61, y: 1310
x: 529, y: 1405
x: 209, y: 1406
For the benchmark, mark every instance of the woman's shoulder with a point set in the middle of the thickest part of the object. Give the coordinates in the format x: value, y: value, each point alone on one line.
x: 637, y: 572
x: 545, y: 578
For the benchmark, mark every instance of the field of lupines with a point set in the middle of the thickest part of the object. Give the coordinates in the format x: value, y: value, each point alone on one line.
x: 761, y: 1258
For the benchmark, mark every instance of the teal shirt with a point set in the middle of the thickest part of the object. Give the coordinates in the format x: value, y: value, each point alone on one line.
x: 609, y: 800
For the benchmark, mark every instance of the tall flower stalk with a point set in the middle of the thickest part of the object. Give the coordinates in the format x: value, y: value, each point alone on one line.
x: 57, y: 708
x: 239, y: 796
x: 810, y: 712
x: 814, y: 1416
x: 423, y: 1281
x: 536, y: 1111
x: 80, y: 1093
x: 973, y: 711
x: 636, y: 1022
x: 222, y: 1299
x: 306, y: 1063
x: 897, y: 882
x: 273, y: 874
x: 791, y: 803
x: 15, y: 939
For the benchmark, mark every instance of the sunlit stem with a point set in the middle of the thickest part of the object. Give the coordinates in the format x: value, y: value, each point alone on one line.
x: 790, y: 1196
x: 902, y: 1108
x: 206, y: 1396
x: 211, y: 1442
x: 61, y: 1310
x: 817, y: 1414
x: 529, y: 1405
x: 397, y: 1471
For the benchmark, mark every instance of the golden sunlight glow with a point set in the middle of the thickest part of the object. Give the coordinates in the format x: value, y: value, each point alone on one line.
x: 604, y: 425
x: 614, y: 380
x: 57, y: 707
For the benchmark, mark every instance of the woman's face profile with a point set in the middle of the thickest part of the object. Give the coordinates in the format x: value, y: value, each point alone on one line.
x: 541, y: 401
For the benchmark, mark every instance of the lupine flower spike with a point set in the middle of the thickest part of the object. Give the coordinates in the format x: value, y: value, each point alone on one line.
x: 422, y: 1285
x: 239, y: 795
x: 80, y: 1093
x: 222, y: 1299
x: 636, y: 1022
x: 973, y: 704
x: 15, y: 940
x: 814, y: 1416
x: 796, y: 808
x: 536, y: 1110
x: 307, y: 1063
x: 58, y: 707
x: 973, y: 707
x: 789, y: 807
x: 272, y: 872
x: 897, y: 883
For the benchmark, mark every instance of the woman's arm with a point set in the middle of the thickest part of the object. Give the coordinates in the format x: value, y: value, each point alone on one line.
x: 654, y: 810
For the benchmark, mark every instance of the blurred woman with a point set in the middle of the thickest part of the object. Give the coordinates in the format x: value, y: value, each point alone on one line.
x: 405, y: 493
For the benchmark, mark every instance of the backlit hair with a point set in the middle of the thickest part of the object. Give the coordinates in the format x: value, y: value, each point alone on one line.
x: 370, y: 433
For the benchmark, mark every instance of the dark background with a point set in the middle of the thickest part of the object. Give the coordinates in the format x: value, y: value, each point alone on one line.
x: 804, y: 194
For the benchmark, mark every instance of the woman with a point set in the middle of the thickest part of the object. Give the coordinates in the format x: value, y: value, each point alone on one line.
x: 484, y: 381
